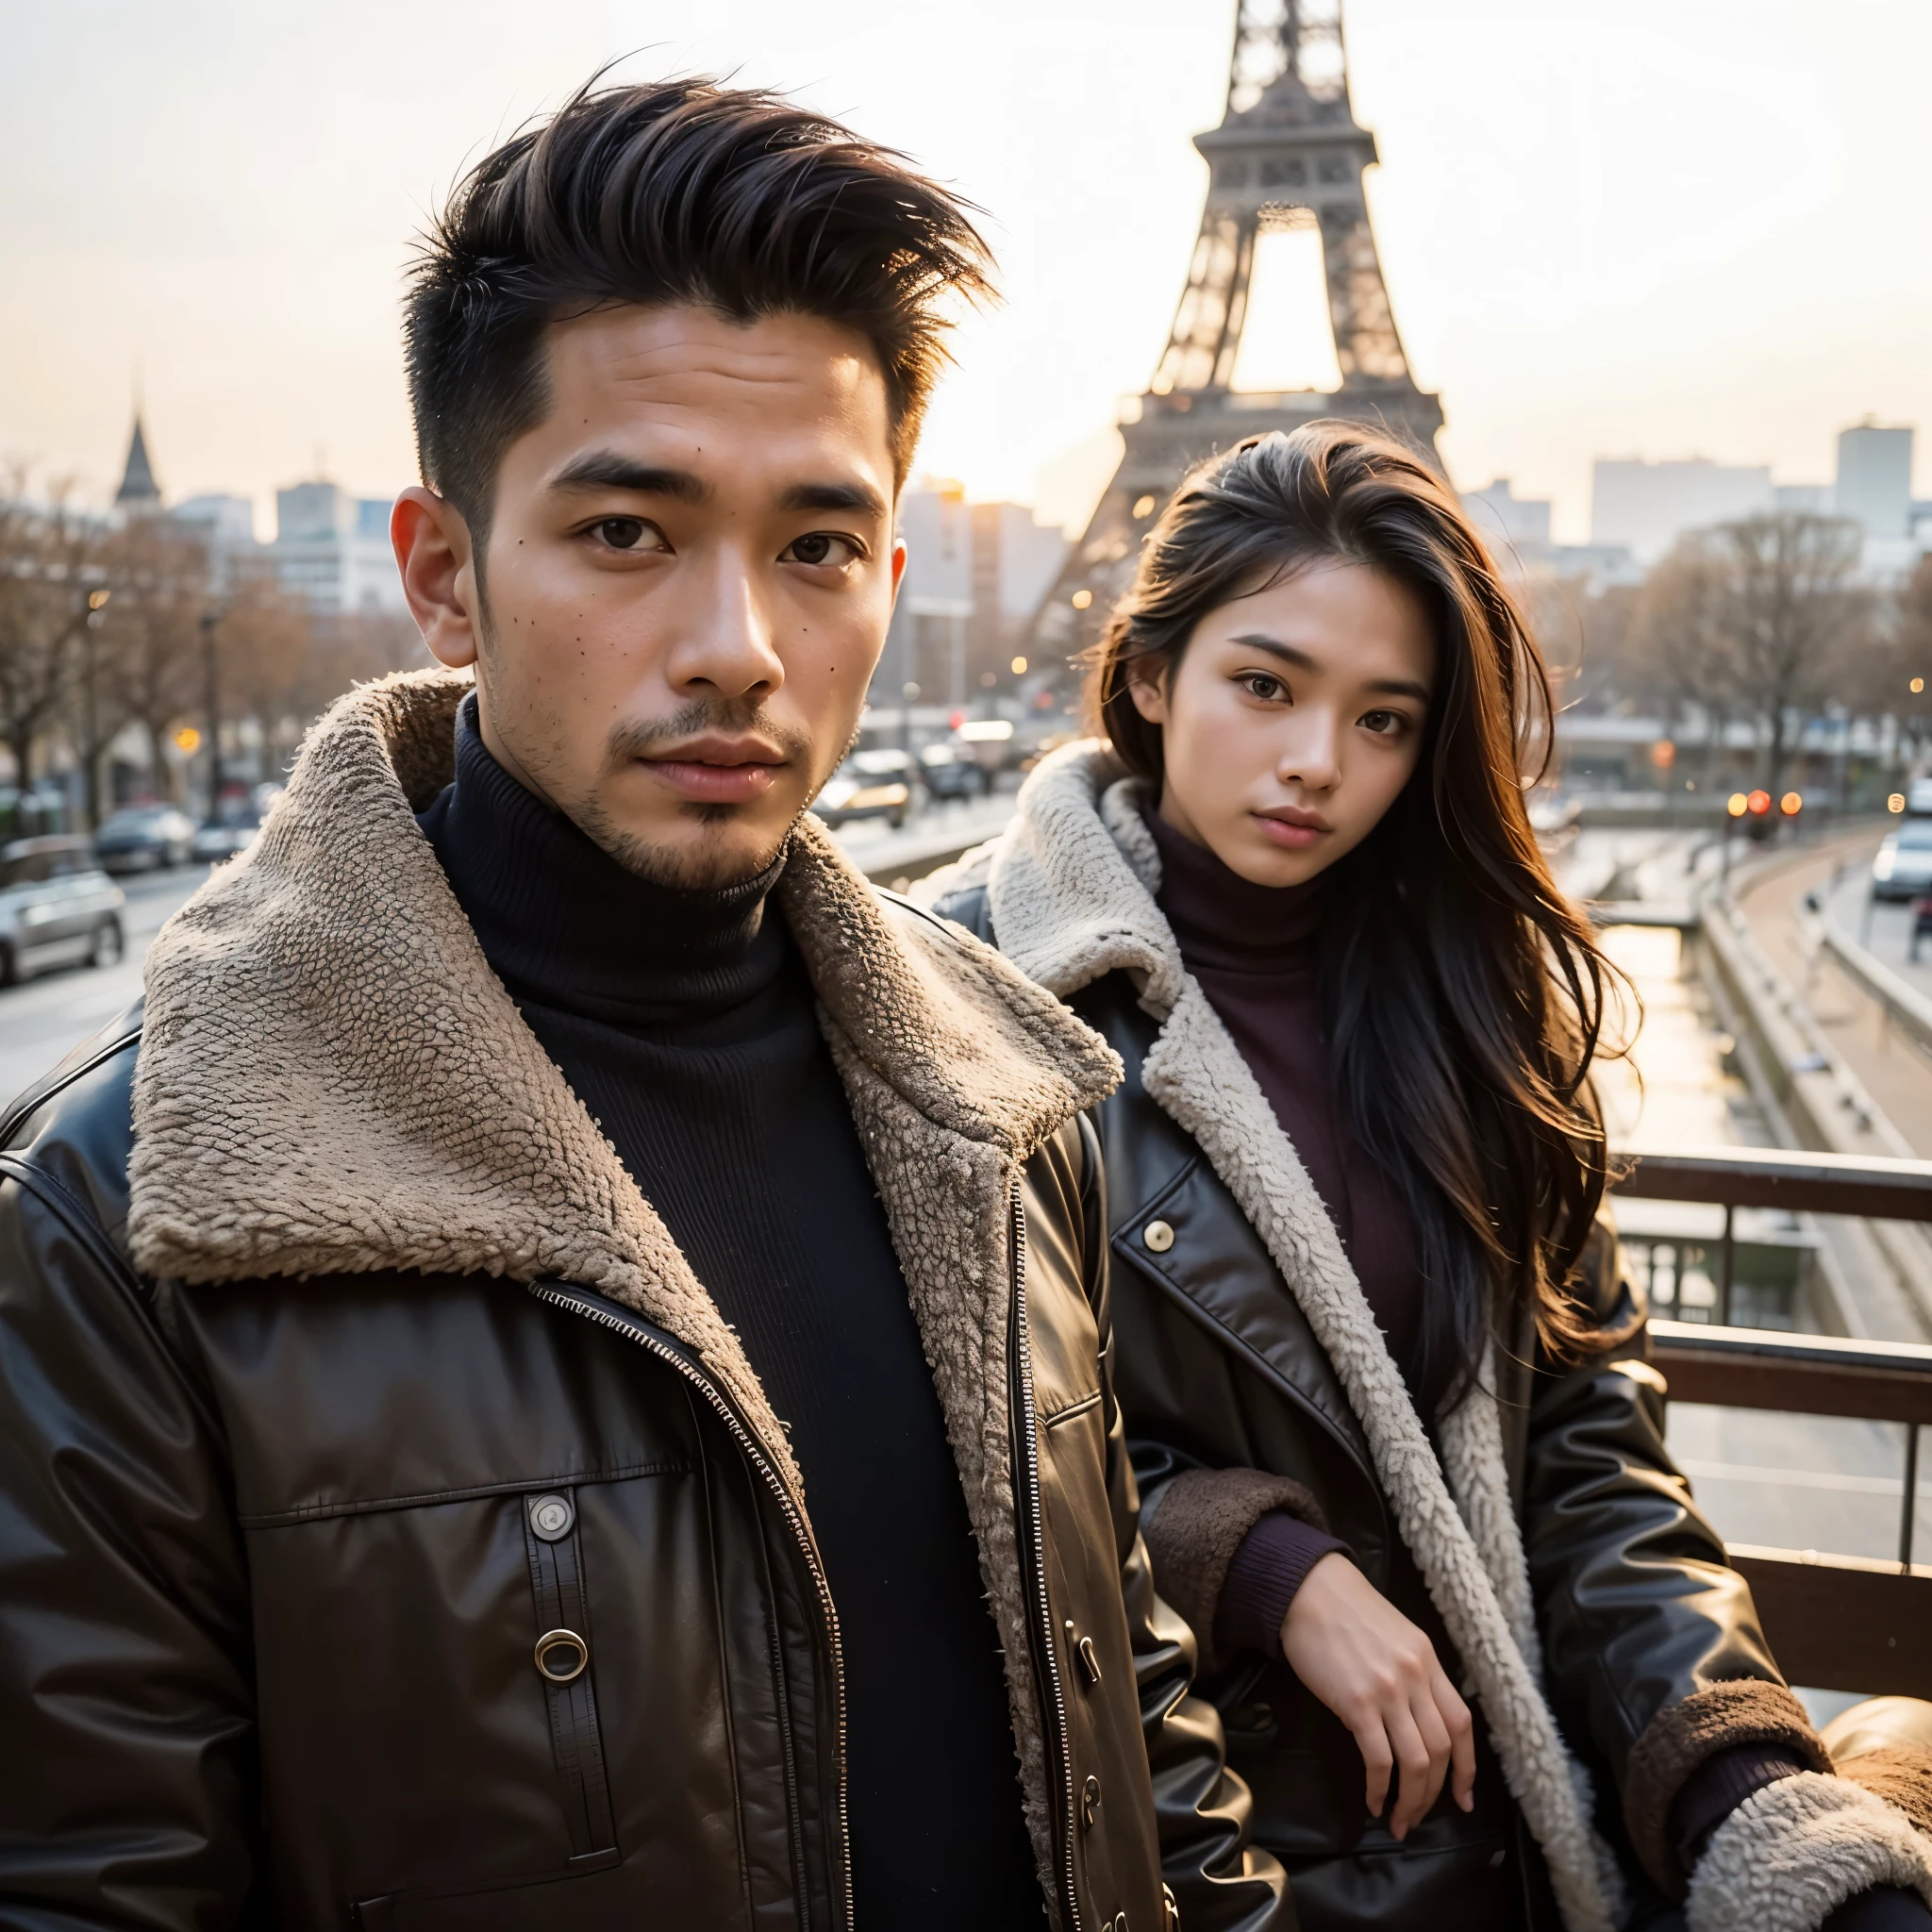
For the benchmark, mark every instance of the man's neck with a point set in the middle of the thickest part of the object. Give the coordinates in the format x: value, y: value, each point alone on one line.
x: 563, y: 923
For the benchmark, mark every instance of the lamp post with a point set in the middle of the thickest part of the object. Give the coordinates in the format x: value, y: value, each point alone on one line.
x: 211, y: 672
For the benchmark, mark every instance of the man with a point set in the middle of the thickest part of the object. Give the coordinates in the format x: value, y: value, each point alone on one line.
x: 470, y: 1456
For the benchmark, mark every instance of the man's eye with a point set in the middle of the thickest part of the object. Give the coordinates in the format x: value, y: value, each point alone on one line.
x: 820, y: 548
x: 631, y: 533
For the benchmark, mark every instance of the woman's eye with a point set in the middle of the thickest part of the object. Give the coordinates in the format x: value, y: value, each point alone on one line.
x: 1385, y: 724
x: 1259, y: 684
x: 629, y: 533
x: 819, y: 549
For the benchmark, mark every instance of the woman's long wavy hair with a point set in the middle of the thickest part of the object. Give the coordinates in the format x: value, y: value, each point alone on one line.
x: 1463, y: 995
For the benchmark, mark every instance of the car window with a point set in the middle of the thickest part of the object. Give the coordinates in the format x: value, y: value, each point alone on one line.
x: 1915, y: 838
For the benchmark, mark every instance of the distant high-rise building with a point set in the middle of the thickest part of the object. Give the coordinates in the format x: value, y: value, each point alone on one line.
x: 1521, y: 521
x: 1802, y: 499
x: 1647, y: 507
x: 1875, y: 480
x: 139, y: 492
x: 333, y: 550
x: 228, y: 521
x: 974, y: 575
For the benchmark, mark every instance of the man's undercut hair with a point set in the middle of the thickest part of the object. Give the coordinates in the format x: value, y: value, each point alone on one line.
x: 675, y: 193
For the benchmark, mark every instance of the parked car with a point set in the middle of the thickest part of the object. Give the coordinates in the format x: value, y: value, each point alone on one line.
x: 223, y: 839
x: 1903, y: 869
x: 57, y: 908
x: 948, y: 771
x: 869, y: 785
x: 1919, y: 798
x: 989, y: 742
x: 145, y: 838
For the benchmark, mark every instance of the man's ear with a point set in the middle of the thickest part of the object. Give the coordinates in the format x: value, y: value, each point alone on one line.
x: 433, y: 552
x: 899, y: 567
x: 1147, y: 687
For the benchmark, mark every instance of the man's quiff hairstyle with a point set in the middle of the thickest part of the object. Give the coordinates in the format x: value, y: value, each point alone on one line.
x: 671, y: 193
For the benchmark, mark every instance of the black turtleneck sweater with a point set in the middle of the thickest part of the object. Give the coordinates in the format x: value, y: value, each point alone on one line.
x: 685, y: 1023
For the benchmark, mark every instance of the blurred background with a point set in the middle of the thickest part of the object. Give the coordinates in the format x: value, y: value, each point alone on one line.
x: 1649, y: 278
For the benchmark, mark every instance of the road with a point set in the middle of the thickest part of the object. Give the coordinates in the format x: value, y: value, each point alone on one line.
x: 42, y: 1018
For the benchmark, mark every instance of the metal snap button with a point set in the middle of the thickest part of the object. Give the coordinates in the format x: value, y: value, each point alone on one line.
x: 1090, y: 1801
x: 1159, y: 1236
x: 552, y: 1517
x: 562, y: 1656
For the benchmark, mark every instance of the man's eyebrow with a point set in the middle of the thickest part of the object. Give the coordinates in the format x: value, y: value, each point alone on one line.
x: 1300, y: 660
x: 857, y: 496
x: 605, y: 470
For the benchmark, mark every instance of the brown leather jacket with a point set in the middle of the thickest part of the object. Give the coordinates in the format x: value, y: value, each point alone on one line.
x: 341, y: 1369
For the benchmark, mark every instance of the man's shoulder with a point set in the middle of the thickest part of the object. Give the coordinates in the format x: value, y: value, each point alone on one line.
x: 69, y: 1136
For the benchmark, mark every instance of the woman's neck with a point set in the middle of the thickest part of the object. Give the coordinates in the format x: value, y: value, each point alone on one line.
x: 1227, y: 923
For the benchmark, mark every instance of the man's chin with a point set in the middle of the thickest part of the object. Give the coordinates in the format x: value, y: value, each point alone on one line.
x: 710, y: 850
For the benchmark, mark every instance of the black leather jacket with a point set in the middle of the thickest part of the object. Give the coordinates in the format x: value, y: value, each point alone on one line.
x: 1637, y: 1609
x: 275, y: 1554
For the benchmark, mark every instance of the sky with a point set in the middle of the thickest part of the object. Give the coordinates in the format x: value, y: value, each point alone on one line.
x: 1609, y: 227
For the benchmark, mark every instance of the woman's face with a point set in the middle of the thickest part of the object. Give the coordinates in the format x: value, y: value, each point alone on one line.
x: 1293, y: 718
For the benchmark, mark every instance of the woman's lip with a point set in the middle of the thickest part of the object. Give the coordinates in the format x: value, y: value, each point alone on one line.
x: 1285, y: 833
x: 714, y: 784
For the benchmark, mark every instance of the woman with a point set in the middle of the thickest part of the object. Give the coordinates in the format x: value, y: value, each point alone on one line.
x: 1400, y: 1451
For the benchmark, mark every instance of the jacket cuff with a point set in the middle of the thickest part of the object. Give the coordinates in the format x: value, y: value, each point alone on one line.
x: 1794, y: 1851
x: 1683, y: 1736
x: 1198, y: 1521
x: 1271, y: 1565
x: 1719, y: 1786
x: 1901, y: 1774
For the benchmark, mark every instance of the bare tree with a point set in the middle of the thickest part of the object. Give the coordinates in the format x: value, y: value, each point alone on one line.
x: 1681, y: 649
x: 1792, y: 609
x: 162, y: 587
x: 49, y: 564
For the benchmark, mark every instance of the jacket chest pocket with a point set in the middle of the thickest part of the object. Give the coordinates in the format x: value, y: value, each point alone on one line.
x: 471, y: 1700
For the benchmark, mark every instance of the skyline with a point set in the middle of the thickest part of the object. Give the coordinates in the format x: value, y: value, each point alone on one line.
x: 1689, y: 235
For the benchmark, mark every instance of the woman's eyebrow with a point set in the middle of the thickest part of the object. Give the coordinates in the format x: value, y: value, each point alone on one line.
x: 1300, y: 660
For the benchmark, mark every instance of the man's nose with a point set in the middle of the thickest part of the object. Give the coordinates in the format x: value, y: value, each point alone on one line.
x: 725, y: 645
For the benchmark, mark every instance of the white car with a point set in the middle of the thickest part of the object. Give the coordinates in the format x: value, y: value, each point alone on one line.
x: 1903, y: 869
x: 57, y: 908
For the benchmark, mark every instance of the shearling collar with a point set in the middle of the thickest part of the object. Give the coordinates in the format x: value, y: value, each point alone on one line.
x: 1071, y: 889
x: 332, y: 1080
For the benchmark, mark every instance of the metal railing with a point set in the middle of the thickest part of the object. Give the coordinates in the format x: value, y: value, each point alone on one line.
x: 1834, y: 1622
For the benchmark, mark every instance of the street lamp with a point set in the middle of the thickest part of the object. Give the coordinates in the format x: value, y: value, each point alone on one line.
x: 212, y: 672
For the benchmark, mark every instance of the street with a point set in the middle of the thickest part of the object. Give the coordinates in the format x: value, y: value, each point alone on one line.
x: 44, y: 1019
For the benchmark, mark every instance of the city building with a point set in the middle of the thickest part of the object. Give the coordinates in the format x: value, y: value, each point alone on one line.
x: 974, y: 575
x: 333, y: 549
x: 1646, y: 507
x: 1875, y: 480
x: 139, y: 493
x: 1523, y: 523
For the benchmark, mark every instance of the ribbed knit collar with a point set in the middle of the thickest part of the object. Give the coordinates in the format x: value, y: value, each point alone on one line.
x: 1226, y: 923
x: 562, y: 922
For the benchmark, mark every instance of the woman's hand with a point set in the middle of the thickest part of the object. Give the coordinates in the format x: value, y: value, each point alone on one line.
x: 1378, y: 1673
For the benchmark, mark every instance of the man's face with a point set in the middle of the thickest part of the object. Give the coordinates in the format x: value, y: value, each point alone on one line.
x: 689, y: 572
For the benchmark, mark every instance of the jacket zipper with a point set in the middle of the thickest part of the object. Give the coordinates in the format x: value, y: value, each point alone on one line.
x: 562, y: 1298
x: 1029, y: 1451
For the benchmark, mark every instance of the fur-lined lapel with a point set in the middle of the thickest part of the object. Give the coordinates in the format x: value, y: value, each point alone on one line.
x: 333, y: 1081
x: 1070, y: 888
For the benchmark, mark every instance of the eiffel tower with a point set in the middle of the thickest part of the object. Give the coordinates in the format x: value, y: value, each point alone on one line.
x: 1288, y: 153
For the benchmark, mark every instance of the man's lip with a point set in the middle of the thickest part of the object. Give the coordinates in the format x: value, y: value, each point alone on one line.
x: 719, y: 751
x: 718, y: 771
